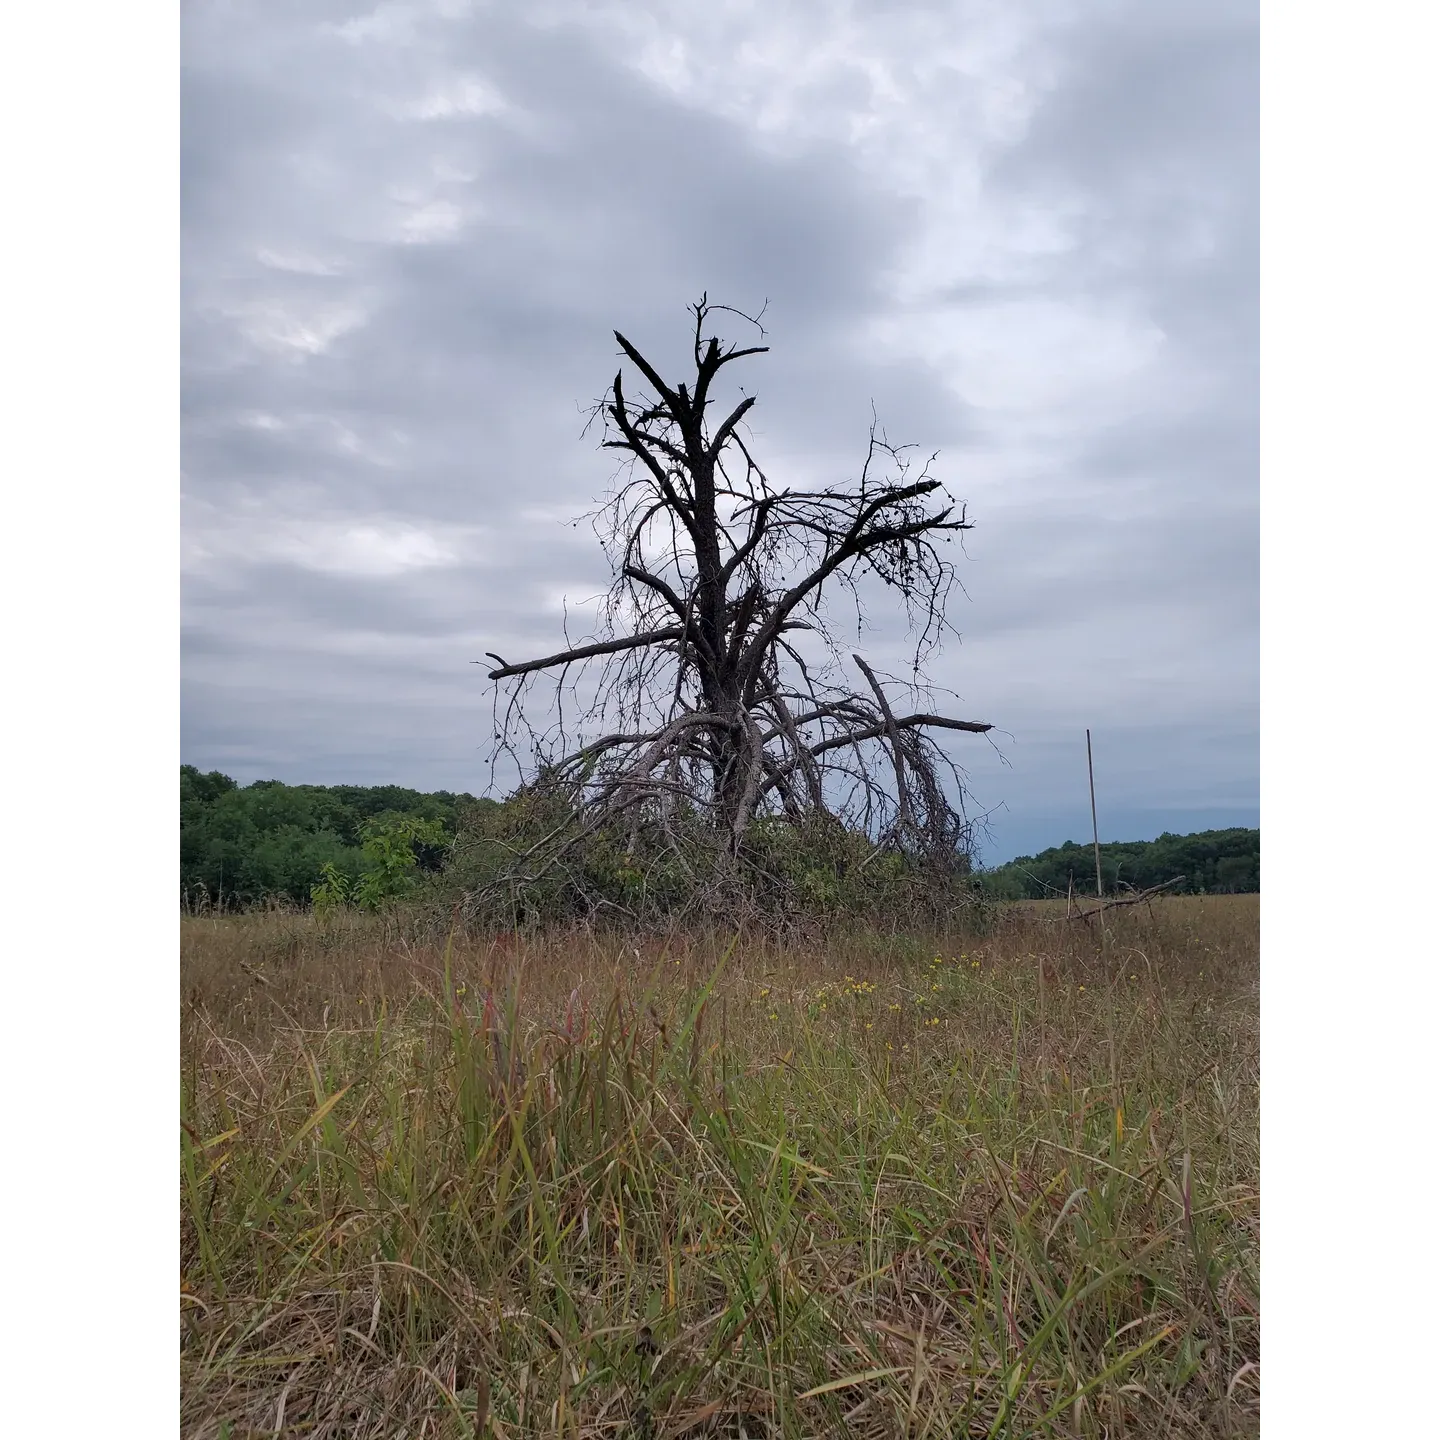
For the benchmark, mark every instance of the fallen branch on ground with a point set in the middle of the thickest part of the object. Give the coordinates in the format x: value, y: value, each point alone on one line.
x: 1128, y: 900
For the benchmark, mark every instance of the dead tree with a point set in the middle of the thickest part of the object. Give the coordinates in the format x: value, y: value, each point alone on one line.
x: 721, y: 696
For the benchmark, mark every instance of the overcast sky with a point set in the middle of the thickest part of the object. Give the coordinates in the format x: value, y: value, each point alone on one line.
x: 1026, y: 232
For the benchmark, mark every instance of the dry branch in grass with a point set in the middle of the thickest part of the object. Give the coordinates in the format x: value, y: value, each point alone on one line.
x: 722, y: 696
x: 1119, y: 903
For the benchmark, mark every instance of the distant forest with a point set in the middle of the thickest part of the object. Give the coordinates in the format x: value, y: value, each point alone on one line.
x: 241, y: 845
x: 1213, y: 862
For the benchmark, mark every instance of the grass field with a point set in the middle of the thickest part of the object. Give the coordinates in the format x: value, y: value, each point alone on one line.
x: 999, y: 1184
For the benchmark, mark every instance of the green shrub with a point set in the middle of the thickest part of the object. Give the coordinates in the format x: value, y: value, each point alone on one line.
x: 505, y: 871
x: 390, y: 859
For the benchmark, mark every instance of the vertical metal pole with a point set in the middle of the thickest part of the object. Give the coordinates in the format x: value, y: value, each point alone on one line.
x: 1094, y: 824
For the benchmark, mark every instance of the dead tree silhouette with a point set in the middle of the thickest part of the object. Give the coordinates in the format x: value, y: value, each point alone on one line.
x: 721, y: 695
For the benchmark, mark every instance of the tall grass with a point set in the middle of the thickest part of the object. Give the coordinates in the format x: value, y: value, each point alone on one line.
x: 906, y: 1185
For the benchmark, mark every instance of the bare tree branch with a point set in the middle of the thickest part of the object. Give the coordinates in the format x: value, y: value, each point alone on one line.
x: 583, y: 652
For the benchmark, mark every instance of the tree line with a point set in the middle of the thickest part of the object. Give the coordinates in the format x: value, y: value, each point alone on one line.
x: 242, y: 845
x: 1223, y: 862
x: 245, y: 845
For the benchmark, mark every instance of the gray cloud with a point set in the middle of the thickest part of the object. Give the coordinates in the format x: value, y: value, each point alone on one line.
x: 1028, y: 235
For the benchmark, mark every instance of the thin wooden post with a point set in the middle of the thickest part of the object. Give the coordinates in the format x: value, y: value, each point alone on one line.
x: 1094, y: 824
x: 1044, y: 1068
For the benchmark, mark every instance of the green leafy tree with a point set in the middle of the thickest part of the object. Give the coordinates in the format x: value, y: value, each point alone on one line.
x: 243, y: 845
x: 390, y: 849
x: 391, y: 857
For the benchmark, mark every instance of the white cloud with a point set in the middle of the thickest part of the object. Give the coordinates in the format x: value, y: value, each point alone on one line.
x: 297, y: 264
x: 390, y: 23
x: 226, y: 541
x: 376, y: 550
x: 458, y: 96
x: 1029, y: 355
x: 430, y: 223
x: 296, y: 331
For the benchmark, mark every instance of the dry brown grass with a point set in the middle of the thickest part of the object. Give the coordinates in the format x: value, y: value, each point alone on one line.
x: 999, y: 1184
